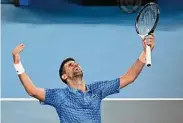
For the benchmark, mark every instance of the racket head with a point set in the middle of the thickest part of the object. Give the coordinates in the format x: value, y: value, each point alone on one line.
x: 147, y: 19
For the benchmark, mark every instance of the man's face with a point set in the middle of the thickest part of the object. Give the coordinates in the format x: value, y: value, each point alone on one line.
x: 72, y: 69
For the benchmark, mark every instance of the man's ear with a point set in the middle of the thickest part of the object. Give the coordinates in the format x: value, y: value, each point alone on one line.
x: 64, y: 76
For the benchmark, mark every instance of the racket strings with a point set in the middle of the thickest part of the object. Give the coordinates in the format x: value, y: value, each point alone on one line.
x: 147, y: 19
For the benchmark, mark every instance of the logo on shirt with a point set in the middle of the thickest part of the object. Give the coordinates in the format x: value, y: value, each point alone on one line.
x: 95, y: 96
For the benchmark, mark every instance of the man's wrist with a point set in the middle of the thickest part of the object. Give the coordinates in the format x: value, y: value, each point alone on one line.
x: 142, y: 57
x: 19, y: 68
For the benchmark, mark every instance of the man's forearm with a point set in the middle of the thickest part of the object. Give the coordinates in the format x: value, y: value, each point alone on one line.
x: 30, y: 88
x: 137, y: 67
x: 133, y: 72
x: 24, y: 78
x: 27, y: 83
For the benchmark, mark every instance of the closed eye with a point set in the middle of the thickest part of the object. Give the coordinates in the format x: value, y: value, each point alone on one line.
x: 70, y: 64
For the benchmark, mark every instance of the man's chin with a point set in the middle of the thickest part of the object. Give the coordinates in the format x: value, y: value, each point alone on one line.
x: 79, y: 74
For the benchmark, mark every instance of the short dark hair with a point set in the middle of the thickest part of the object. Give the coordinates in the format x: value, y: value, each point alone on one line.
x: 61, y: 70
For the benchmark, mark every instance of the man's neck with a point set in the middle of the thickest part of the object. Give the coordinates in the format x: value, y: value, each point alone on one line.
x: 77, y: 83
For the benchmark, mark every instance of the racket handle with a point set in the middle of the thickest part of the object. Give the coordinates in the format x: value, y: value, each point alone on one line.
x: 148, y: 56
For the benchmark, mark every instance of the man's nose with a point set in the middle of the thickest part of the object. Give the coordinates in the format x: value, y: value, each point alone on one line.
x: 75, y: 64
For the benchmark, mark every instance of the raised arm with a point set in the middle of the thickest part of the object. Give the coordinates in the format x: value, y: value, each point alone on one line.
x: 27, y: 83
x: 134, y: 71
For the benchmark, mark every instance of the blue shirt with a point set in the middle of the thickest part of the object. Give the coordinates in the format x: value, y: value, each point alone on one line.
x: 75, y: 106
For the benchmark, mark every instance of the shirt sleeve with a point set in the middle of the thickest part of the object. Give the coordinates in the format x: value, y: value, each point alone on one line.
x: 108, y: 87
x: 51, y: 96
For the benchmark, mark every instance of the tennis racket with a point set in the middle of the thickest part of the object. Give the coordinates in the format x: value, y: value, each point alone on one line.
x: 146, y: 22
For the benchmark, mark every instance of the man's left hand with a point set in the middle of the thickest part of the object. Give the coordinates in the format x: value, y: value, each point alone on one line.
x: 149, y: 40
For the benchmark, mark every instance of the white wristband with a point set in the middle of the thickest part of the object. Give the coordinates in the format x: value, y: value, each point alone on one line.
x: 19, y: 68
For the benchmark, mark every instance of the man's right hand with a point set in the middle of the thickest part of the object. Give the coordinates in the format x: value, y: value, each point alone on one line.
x: 16, y: 51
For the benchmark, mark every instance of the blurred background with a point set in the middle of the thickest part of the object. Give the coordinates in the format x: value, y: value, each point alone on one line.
x: 101, y: 36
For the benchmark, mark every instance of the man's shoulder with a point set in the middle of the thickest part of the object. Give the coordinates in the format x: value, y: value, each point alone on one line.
x: 60, y: 93
x: 102, y: 83
x: 56, y: 90
x: 95, y: 85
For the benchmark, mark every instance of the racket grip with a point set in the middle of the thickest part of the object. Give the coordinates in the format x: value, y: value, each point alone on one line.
x: 148, y: 56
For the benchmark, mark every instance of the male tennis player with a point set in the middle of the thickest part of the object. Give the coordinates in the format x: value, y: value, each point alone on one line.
x: 78, y: 102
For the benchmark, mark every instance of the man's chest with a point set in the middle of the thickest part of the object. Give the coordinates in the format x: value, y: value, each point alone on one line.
x: 82, y: 101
